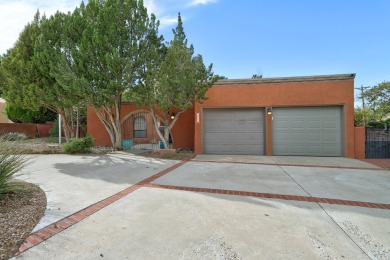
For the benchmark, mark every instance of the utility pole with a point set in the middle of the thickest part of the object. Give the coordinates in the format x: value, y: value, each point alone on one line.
x: 59, y: 129
x: 364, y: 107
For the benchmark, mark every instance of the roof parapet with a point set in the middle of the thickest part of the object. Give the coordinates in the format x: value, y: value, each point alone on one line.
x: 334, y: 77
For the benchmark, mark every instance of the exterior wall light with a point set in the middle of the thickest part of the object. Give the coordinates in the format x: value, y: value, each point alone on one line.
x: 173, y: 116
x: 269, y: 110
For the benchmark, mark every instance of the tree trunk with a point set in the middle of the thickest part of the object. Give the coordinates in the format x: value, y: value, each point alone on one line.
x: 111, y: 124
x: 167, y: 126
x: 65, y: 124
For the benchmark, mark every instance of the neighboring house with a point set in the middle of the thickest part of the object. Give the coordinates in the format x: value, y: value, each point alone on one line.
x: 3, y: 116
x: 305, y: 116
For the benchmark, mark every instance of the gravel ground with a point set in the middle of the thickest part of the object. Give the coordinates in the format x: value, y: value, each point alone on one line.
x: 20, y: 212
x: 175, y: 155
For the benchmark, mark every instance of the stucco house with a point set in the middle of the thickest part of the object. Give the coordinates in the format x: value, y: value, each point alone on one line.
x: 3, y: 116
x: 305, y: 116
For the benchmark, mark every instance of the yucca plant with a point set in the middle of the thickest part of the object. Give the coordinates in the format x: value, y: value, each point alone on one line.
x: 11, y: 162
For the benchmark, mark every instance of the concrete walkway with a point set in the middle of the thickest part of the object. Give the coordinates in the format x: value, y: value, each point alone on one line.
x: 213, y: 210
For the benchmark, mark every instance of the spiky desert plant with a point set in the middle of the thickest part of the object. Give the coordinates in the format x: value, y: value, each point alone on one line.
x: 12, y: 161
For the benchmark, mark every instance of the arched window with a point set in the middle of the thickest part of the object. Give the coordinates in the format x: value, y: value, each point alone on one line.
x: 140, y: 127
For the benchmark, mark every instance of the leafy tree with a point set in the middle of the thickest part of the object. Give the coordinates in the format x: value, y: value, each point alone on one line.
x: 21, y: 73
x: 25, y: 115
x: 257, y: 76
x: 173, y: 85
x: 359, y: 115
x: 218, y: 77
x: 378, y: 99
x: 2, y: 77
x: 106, y: 62
x: 29, y: 84
x: 53, y: 52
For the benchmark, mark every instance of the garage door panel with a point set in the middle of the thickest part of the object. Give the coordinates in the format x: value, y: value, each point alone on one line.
x: 224, y: 123
x: 233, y: 131
x: 297, y: 149
x: 281, y: 137
x: 213, y: 125
x: 298, y: 137
x: 314, y: 131
x: 313, y: 137
x: 313, y: 124
x: 281, y: 123
x: 329, y: 150
x: 299, y: 124
x: 249, y: 126
x: 255, y: 149
x: 330, y: 137
x: 332, y: 124
x: 314, y: 149
x: 210, y: 137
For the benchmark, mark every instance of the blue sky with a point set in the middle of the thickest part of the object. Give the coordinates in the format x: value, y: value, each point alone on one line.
x: 275, y: 38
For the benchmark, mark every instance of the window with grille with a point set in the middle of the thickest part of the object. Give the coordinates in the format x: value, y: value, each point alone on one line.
x: 139, y: 127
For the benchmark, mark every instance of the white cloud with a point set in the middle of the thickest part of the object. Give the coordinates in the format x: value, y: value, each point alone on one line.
x: 15, y: 14
x: 163, y: 11
x: 166, y: 10
x: 203, y: 2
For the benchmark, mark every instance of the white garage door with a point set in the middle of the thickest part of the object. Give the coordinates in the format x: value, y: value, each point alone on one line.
x: 308, y: 131
x: 233, y: 131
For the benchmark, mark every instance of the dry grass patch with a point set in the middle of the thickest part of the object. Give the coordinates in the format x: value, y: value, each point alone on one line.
x: 181, y: 155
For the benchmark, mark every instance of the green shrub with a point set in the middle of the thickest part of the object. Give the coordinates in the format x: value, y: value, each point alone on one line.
x: 13, y: 136
x: 11, y: 162
x: 81, y: 145
x: 54, y: 131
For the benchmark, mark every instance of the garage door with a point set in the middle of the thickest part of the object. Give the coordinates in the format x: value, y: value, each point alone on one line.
x: 308, y: 131
x: 233, y: 131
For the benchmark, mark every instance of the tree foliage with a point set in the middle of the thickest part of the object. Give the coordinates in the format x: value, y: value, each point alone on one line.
x: 106, y: 61
x: 25, y: 115
x: 361, y: 115
x: 98, y: 55
x: 22, y: 75
x: 27, y: 67
x: 378, y: 99
x: 177, y: 80
x: 257, y: 76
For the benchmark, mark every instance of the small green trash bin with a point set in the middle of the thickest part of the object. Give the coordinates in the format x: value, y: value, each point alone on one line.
x: 161, y: 145
x: 127, y: 144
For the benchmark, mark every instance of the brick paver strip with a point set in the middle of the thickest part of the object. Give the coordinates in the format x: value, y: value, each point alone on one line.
x: 276, y: 196
x: 295, y: 165
x: 57, y: 227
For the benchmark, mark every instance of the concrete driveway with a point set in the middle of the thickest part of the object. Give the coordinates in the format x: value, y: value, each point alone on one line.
x: 122, y: 206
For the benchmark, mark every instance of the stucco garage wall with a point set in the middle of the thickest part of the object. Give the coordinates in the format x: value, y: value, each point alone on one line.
x: 329, y: 90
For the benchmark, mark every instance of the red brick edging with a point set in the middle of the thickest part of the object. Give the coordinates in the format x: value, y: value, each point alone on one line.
x: 274, y: 196
x: 57, y: 227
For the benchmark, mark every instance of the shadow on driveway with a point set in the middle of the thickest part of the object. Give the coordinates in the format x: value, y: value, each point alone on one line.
x: 114, y: 168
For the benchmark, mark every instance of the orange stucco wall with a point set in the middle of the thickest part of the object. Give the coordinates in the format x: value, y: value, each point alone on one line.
x: 308, y: 93
x: 360, y: 143
x: 182, y: 132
